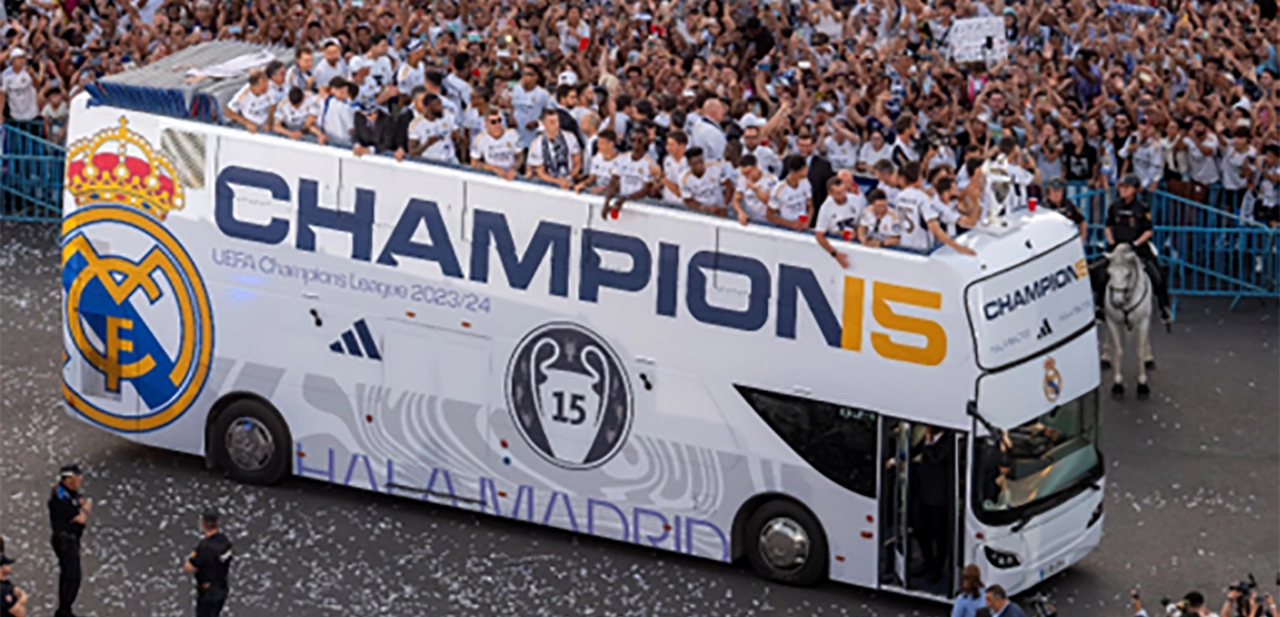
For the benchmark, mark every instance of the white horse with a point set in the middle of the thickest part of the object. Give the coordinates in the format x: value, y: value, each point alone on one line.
x: 1128, y: 304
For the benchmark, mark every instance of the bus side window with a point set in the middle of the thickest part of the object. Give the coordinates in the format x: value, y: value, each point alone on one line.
x: 839, y: 442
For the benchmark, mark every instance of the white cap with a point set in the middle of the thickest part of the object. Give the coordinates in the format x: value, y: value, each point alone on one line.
x: 360, y: 62
x: 1243, y: 104
x: 18, y: 53
x: 749, y: 120
x: 567, y: 78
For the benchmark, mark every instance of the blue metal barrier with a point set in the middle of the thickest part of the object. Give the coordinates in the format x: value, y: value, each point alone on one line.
x: 31, y: 175
x: 1206, y: 250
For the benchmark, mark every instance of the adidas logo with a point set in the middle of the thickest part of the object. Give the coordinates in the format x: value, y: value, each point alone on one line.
x: 1045, y: 329
x: 357, y: 342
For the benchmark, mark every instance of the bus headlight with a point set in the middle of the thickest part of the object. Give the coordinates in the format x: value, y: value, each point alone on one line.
x: 1001, y: 559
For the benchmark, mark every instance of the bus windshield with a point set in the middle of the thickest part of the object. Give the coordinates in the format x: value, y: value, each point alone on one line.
x: 1037, y: 460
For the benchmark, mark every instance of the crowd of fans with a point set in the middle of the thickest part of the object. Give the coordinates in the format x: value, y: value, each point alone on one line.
x: 767, y: 110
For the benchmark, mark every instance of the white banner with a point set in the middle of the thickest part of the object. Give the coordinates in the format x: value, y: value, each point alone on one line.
x: 968, y: 40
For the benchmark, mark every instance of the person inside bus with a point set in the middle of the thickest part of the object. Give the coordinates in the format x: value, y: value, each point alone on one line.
x: 994, y: 467
x: 936, y: 466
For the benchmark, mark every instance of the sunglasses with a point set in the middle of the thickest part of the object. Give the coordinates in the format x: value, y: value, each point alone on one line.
x: 495, y: 120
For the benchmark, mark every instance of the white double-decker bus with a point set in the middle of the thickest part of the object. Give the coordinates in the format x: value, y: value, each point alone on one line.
x: 662, y: 378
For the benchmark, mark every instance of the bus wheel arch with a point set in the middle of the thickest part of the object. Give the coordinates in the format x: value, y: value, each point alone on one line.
x: 773, y: 514
x: 248, y: 438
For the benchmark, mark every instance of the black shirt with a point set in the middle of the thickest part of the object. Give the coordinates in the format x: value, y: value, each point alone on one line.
x: 383, y: 135
x: 212, y: 559
x: 8, y: 598
x: 1066, y: 209
x: 64, y: 505
x: 1128, y: 220
x: 1079, y: 164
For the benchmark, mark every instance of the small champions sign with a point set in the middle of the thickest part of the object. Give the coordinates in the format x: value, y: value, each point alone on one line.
x: 1035, y: 290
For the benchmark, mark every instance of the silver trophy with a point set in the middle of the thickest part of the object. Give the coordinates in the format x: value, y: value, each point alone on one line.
x: 999, y: 196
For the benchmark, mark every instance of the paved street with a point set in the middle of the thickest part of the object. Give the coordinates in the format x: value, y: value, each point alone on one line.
x: 1193, y: 503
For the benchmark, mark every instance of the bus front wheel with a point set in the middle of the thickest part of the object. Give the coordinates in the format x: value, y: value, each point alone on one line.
x: 251, y: 442
x: 786, y: 544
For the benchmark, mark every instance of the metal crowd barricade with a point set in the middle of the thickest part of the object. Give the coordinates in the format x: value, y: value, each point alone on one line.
x: 1205, y: 250
x: 31, y: 174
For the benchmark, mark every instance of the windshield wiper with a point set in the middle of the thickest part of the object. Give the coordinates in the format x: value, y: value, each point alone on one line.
x: 1022, y: 522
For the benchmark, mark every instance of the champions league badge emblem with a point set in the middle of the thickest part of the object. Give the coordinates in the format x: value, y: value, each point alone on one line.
x: 569, y: 395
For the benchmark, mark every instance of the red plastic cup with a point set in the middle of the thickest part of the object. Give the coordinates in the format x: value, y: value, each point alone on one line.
x: 583, y: 43
x: 848, y: 235
x: 1031, y: 204
x: 804, y: 218
x: 614, y: 213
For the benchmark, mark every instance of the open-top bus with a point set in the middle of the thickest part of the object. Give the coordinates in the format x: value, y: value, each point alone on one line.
x: 663, y: 378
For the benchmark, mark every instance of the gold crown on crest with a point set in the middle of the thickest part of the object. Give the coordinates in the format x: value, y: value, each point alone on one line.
x: 103, y: 168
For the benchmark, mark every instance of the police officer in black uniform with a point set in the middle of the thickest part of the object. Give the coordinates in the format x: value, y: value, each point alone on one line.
x: 210, y: 562
x: 1129, y: 221
x: 68, y: 513
x: 1055, y: 198
x: 13, y: 599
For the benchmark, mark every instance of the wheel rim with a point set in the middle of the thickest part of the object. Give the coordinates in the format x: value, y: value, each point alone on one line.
x: 249, y: 444
x: 784, y: 544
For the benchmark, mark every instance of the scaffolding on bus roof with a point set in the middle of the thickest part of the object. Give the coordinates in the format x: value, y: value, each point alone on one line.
x: 166, y: 86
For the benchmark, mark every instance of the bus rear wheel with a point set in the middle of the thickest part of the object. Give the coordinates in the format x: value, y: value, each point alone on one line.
x: 786, y: 544
x: 251, y: 443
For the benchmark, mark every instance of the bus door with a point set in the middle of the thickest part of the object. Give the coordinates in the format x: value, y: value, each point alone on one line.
x: 436, y: 384
x: 919, y: 515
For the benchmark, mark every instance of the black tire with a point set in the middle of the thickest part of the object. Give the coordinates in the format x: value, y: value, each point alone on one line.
x: 814, y: 568
x: 253, y: 413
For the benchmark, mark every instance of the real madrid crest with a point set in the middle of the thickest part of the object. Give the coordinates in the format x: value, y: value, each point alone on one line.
x: 138, y: 324
x: 1052, y: 380
x: 569, y: 395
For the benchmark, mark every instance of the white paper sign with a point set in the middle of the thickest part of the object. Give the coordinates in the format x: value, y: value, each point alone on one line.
x: 968, y: 40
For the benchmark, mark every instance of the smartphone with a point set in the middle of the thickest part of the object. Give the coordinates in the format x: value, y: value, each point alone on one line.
x: 357, y: 3
x: 233, y: 29
x: 805, y: 65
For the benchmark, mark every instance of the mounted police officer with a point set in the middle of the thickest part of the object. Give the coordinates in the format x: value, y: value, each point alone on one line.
x: 210, y: 562
x: 1129, y: 222
x: 68, y: 514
